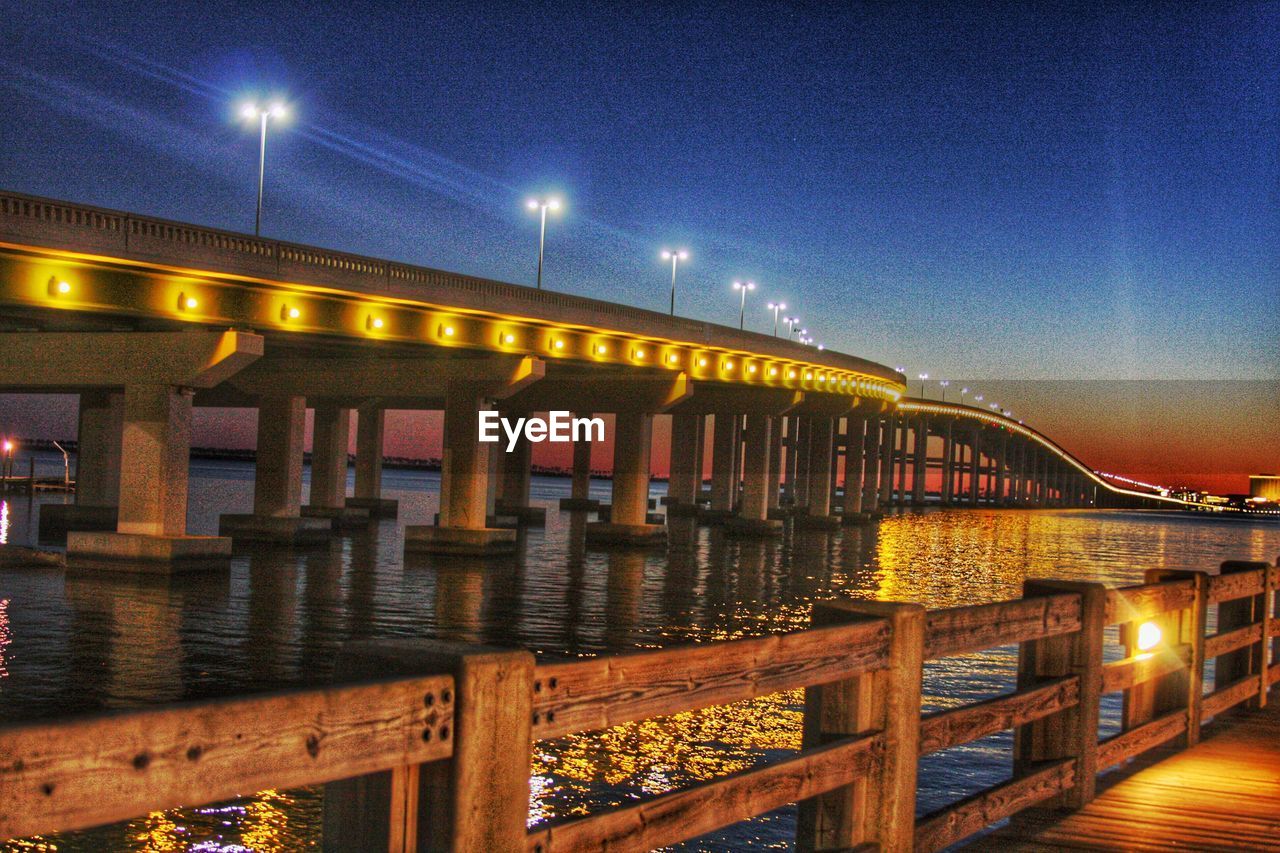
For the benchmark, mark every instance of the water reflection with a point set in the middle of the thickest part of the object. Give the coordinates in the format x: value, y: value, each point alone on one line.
x: 84, y: 641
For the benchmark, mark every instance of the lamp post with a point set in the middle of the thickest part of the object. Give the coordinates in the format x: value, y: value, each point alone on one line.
x: 923, y: 377
x: 542, y: 204
x: 963, y: 391
x: 253, y: 111
x: 743, y: 287
x: 944, y: 383
x: 675, y: 256
x: 775, y: 307
x: 791, y: 325
x: 800, y: 337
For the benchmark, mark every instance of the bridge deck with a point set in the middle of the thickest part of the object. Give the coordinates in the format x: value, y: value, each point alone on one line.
x: 1223, y: 794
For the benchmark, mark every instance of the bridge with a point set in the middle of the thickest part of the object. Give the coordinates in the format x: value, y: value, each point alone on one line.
x: 145, y: 318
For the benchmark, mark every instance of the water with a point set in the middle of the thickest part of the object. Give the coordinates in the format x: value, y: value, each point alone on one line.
x: 71, y: 642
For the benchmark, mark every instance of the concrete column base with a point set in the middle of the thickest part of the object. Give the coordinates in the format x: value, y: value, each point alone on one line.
x: 608, y: 533
x: 378, y: 507
x: 341, y: 516
x: 286, y: 530
x: 500, y: 521
x: 482, y: 542
x: 533, y: 516
x: 605, y: 513
x: 715, y: 516
x: 138, y: 552
x: 854, y: 519
x: 816, y: 522
x: 753, y: 528
x: 57, y: 519
x: 579, y: 504
x: 679, y: 510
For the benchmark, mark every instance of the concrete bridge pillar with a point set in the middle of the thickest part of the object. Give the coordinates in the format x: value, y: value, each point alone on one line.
x: 855, y: 469
x: 97, y: 469
x: 514, y: 480
x: 975, y: 466
x: 370, y: 429
x: 792, y: 452
x: 921, y: 459
x: 774, y: 480
x: 888, y: 440
x: 724, y: 475
x: 632, y: 440
x: 948, y: 464
x: 871, y: 466
x: 684, y: 478
x: 464, y: 484
x: 155, y: 450
x: 818, y: 514
x: 580, y: 486
x: 330, y: 438
x: 753, y: 519
x: 277, y: 480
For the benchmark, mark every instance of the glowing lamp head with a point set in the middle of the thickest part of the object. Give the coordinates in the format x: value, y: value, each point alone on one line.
x: 8, y: 446
x: 292, y: 313
x: 374, y: 322
x: 1149, y: 636
x: 601, y: 349
x: 192, y: 302
x: 63, y: 287
x: 728, y: 364
x: 553, y: 204
x: 559, y: 344
x: 249, y: 111
x: 508, y: 338
x: 702, y: 362
x: 532, y: 204
x: 751, y: 368
x: 448, y: 331
x: 673, y: 358
x: 639, y: 353
x: 279, y: 110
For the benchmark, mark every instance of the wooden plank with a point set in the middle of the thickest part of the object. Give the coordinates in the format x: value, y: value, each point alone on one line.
x: 1136, y: 741
x: 965, y: 724
x: 1274, y: 671
x: 1139, y: 669
x: 691, y: 812
x: 600, y: 692
x: 972, y: 814
x: 1225, y: 698
x: 1135, y: 603
x: 960, y: 630
x: 1229, y: 587
x: 78, y: 773
x: 1221, y: 644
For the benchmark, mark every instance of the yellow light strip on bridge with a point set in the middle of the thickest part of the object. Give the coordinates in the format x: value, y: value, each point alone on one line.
x: 992, y: 419
x: 70, y: 281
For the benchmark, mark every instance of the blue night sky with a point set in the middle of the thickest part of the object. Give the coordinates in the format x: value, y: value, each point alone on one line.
x: 1006, y: 193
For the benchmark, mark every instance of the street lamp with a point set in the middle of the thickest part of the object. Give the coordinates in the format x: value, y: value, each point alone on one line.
x: 944, y: 383
x: 922, y: 377
x: 675, y: 256
x: 542, y: 204
x: 253, y: 111
x: 791, y: 325
x: 775, y: 307
x: 963, y: 391
x: 743, y: 287
x: 803, y: 336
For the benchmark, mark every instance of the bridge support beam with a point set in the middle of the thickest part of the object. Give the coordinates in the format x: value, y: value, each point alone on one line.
x: 773, y: 484
x: 632, y: 444
x: 685, y: 478
x: 580, y: 486
x: 515, y: 476
x: 97, y: 469
x: 464, y: 484
x: 724, y: 473
x: 277, y: 480
x: 888, y: 438
x: 753, y: 520
x: 855, y: 469
x: 370, y: 428
x: 921, y: 460
x: 818, y: 516
x: 330, y: 438
x: 154, y: 456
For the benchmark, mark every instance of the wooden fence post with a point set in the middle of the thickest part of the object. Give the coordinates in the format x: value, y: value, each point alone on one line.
x: 1270, y: 638
x: 1183, y: 689
x: 1248, y: 661
x: 878, y: 810
x: 1072, y: 732
x: 478, y: 799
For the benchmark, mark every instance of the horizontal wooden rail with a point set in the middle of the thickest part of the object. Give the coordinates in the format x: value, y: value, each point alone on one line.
x: 691, y: 812
x: 82, y: 772
x: 1236, y: 585
x: 961, y: 819
x: 1230, y: 641
x: 961, y: 630
x: 956, y: 726
x: 1138, y: 669
x: 1138, y: 740
x: 1226, y: 698
x: 1133, y: 603
x: 596, y: 693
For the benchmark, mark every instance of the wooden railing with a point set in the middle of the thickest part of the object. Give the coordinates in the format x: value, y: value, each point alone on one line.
x: 442, y: 761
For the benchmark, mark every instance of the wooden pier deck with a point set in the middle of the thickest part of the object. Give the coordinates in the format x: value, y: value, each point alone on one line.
x: 1222, y: 794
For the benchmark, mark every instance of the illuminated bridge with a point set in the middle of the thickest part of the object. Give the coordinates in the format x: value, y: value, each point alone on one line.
x: 145, y: 318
